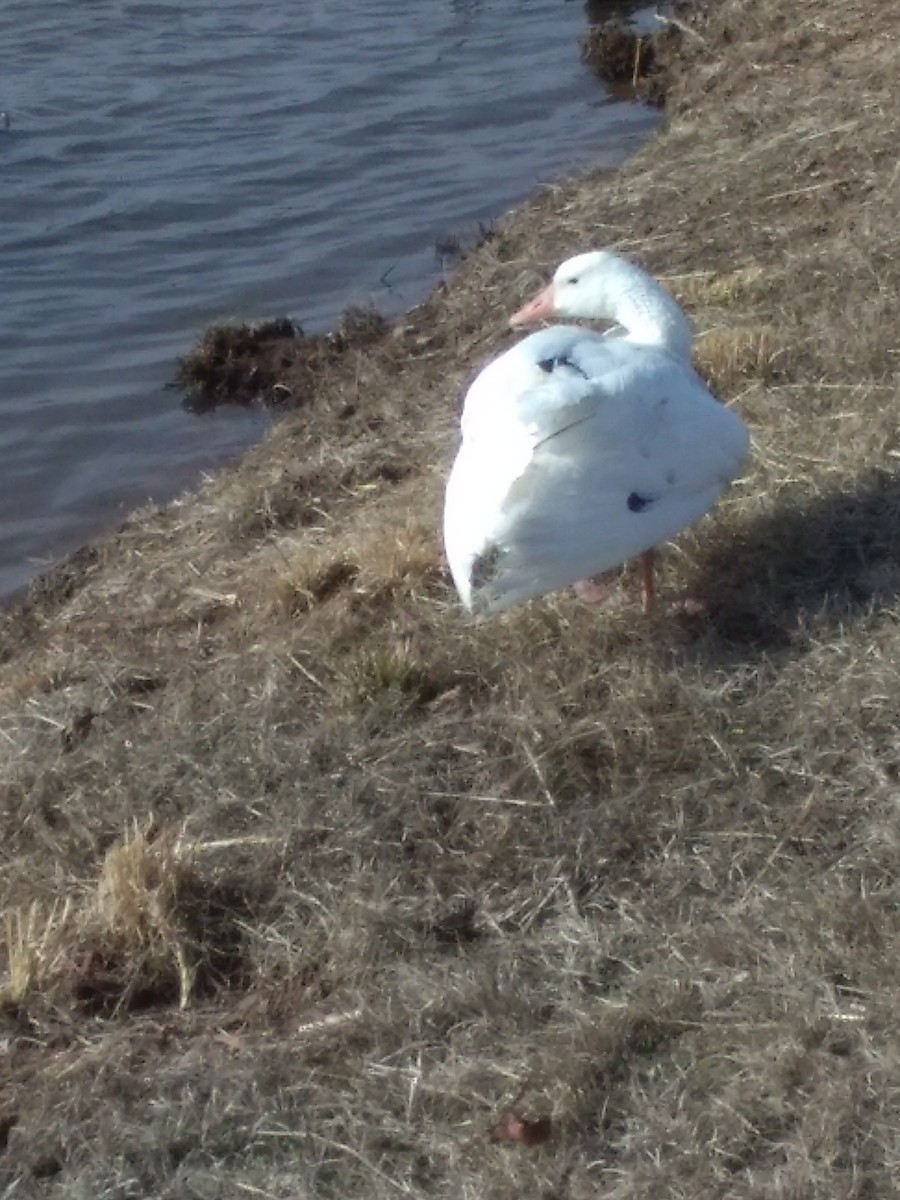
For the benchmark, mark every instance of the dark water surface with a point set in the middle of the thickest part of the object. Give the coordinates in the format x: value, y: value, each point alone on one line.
x: 170, y: 164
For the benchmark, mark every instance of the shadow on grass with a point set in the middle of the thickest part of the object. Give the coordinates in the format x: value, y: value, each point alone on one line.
x: 809, y: 561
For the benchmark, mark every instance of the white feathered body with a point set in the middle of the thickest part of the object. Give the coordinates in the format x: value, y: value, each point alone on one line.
x: 578, y: 452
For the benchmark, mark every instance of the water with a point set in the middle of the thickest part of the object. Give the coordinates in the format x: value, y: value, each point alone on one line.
x: 166, y: 165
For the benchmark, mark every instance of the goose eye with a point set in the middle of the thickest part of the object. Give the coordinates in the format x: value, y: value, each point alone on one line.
x: 571, y: 282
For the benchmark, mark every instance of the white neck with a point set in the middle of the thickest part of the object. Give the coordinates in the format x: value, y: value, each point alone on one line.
x: 651, y: 317
x: 648, y: 313
x: 603, y: 284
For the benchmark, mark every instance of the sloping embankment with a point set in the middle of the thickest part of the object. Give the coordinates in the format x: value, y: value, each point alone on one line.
x: 312, y: 884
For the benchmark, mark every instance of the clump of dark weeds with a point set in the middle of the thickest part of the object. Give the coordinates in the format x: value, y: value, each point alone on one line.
x: 271, y: 363
x: 236, y: 364
x: 629, y: 60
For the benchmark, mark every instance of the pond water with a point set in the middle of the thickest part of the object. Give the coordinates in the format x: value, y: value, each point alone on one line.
x: 165, y: 165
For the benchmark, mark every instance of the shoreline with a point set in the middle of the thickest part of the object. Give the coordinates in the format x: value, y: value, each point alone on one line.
x: 309, y: 876
x: 275, y: 358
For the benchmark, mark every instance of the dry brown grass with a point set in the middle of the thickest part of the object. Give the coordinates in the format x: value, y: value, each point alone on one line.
x: 316, y: 888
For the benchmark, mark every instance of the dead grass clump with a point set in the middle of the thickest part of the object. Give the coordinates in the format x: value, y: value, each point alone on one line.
x: 371, y: 567
x: 401, y: 563
x: 300, y: 494
x: 730, y: 355
x: 721, y: 289
x: 144, y: 880
x: 153, y: 931
x: 314, y: 581
x: 36, y: 942
x: 292, y: 500
x: 393, y: 673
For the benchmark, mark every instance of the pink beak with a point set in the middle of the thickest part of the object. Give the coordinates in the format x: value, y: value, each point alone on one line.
x: 539, y: 308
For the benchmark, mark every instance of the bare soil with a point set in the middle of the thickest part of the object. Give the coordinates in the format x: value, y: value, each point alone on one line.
x: 314, y: 888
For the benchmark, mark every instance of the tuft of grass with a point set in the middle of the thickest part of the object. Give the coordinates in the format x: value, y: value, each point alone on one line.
x: 721, y: 289
x: 313, y: 579
x: 730, y: 355
x: 143, y: 880
x: 392, y: 672
x: 35, y: 944
x: 374, y: 564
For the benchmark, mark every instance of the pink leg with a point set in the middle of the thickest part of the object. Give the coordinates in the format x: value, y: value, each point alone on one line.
x: 598, y: 589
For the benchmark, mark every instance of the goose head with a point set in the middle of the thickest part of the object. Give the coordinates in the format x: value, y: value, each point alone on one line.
x: 604, y: 285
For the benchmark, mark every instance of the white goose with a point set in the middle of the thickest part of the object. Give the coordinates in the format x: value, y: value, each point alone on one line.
x: 582, y: 450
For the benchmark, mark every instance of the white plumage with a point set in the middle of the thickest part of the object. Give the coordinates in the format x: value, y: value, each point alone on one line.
x: 580, y: 451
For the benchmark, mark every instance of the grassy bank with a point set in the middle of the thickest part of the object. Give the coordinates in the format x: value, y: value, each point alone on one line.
x: 315, y: 888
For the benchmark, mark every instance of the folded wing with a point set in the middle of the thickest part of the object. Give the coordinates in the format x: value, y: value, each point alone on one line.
x: 578, y: 455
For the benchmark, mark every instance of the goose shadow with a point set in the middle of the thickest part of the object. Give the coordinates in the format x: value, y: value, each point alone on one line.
x: 811, y: 559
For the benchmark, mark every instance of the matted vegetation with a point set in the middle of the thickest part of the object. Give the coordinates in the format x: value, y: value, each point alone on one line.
x: 634, y: 64
x: 315, y: 888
